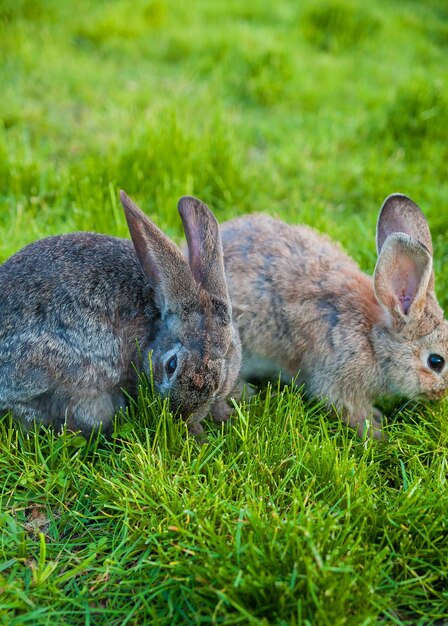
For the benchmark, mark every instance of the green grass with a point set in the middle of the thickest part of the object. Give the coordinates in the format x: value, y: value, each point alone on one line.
x: 313, y: 112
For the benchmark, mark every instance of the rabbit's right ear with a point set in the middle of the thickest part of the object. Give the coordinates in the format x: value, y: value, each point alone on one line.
x: 399, y: 214
x: 160, y: 259
x: 402, y: 276
x: 206, y: 257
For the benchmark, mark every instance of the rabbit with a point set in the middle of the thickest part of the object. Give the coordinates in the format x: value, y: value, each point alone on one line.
x: 304, y: 308
x: 81, y: 313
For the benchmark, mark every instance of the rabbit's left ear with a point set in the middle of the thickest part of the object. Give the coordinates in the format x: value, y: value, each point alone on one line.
x: 399, y: 214
x: 205, y: 252
x: 160, y: 259
x: 402, y: 276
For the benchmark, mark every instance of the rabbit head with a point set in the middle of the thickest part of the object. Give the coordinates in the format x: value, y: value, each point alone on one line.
x: 195, y: 351
x: 414, y: 341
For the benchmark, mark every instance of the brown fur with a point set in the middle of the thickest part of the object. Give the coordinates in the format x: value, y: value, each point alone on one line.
x: 303, y: 307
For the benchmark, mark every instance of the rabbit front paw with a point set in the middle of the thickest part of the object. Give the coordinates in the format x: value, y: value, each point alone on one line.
x: 221, y: 412
x: 366, y: 422
x: 369, y: 425
x: 195, y: 428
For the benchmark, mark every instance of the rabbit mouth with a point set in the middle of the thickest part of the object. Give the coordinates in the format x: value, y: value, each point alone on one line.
x: 435, y: 394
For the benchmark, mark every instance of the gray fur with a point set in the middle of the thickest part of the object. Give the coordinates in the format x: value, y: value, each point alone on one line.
x: 79, y: 313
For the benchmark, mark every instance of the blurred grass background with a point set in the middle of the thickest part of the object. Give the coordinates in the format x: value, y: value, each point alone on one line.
x: 314, y: 112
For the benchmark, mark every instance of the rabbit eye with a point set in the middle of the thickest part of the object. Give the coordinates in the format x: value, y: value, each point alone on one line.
x: 436, y: 362
x: 170, y: 365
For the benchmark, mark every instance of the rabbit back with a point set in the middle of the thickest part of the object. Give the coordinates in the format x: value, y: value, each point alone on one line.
x: 71, y: 310
x: 292, y: 282
x: 303, y: 308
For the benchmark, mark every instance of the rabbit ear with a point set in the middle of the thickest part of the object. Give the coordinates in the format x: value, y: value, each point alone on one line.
x: 402, y: 276
x: 204, y: 246
x: 399, y: 214
x: 161, y: 260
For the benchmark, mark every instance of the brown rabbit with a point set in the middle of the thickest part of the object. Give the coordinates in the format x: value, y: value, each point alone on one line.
x: 305, y: 309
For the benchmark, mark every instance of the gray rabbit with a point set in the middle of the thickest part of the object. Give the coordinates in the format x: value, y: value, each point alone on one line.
x: 81, y: 313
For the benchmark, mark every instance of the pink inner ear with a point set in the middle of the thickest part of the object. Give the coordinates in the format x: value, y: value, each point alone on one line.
x: 194, y: 245
x: 406, y: 302
x: 405, y: 283
x: 195, y: 253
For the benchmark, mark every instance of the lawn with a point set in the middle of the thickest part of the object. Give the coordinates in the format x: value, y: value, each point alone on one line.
x: 313, y: 112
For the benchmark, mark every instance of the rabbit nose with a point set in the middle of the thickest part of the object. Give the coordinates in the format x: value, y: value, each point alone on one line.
x: 198, y: 380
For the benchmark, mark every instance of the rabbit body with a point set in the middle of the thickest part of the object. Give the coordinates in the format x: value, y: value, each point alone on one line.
x: 81, y: 313
x: 72, y: 310
x: 304, y: 308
